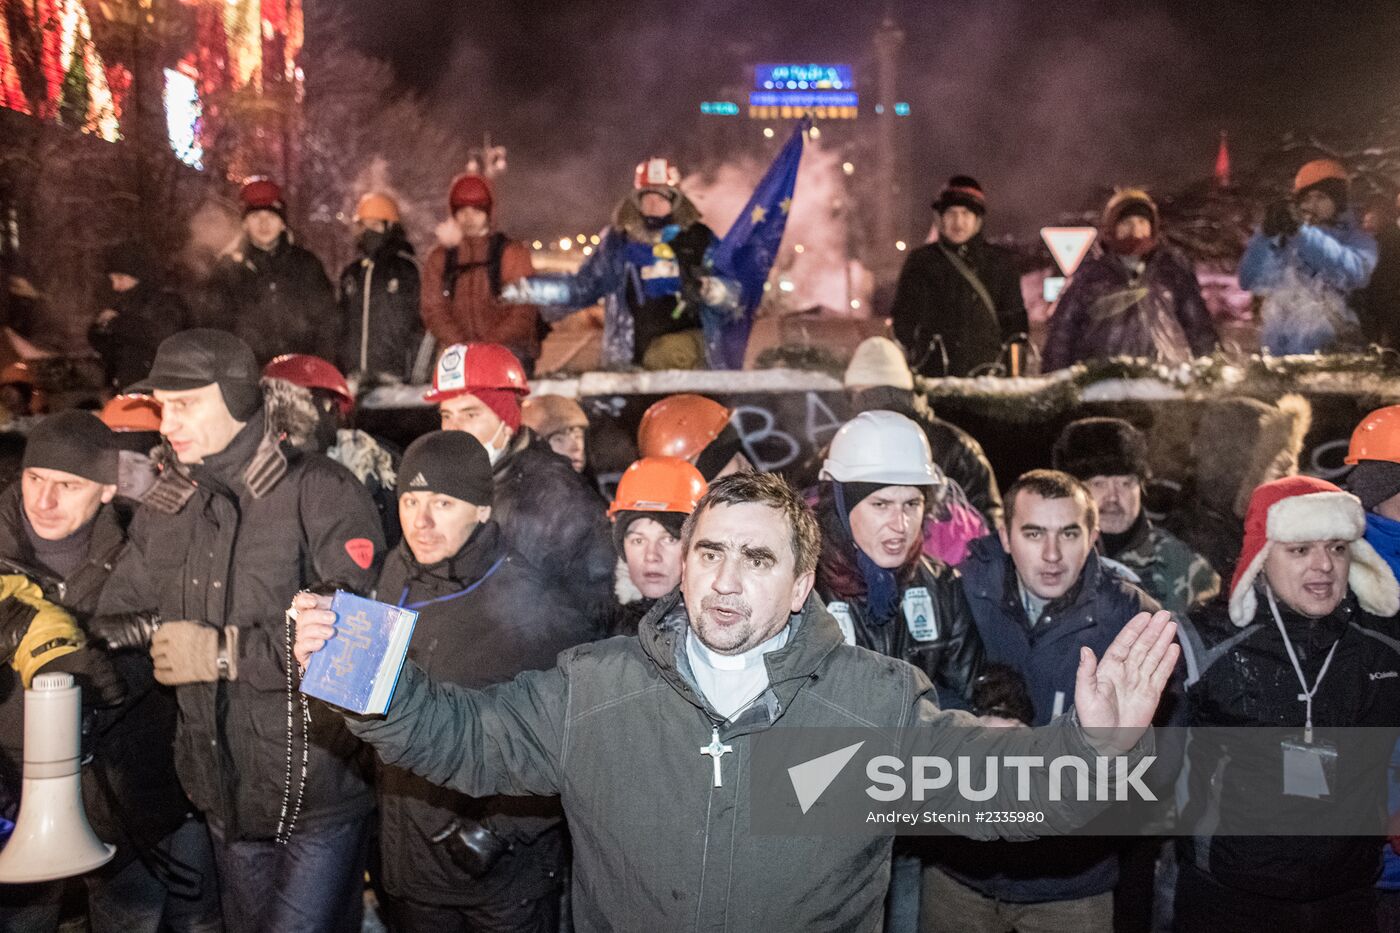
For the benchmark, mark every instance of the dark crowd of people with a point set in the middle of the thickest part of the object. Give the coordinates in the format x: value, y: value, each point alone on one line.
x: 568, y: 745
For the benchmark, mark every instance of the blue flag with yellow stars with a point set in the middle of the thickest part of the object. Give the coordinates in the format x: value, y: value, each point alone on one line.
x: 747, y: 251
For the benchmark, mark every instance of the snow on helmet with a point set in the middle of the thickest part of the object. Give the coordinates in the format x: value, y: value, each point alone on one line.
x: 466, y: 367
x: 881, y: 447
x: 658, y: 484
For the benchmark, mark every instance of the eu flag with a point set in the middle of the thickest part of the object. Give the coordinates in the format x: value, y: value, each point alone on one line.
x: 747, y: 251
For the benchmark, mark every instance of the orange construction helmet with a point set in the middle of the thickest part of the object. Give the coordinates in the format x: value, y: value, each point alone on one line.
x: 311, y: 372
x: 376, y: 206
x: 658, y: 484
x: 1318, y: 170
x: 465, y: 367
x: 1377, y: 437
x: 680, y: 426
x: 126, y: 413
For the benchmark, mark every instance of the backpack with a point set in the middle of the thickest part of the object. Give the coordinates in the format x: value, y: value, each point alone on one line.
x: 452, y: 268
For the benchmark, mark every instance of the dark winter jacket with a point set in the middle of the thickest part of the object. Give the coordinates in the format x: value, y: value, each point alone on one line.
x: 381, y: 331
x: 933, y: 299
x: 130, y: 790
x: 462, y: 281
x: 278, y: 301
x: 1378, y: 304
x: 614, y: 729
x: 555, y: 519
x: 957, y: 453
x: 235, y: 552
x: 1091, y: 614
x: 1107, y: 310
x: 1241, y: 676
x: 146, y: 315
x: 513, y: 620
x: 949, y: 653
x: 612, y: 276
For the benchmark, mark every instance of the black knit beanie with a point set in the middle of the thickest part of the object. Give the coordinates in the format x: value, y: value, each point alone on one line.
x: 622, y: 523
x: 74, y: 442
x: 452, y: 463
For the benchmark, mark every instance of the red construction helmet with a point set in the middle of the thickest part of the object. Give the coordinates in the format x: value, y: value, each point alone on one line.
x: 465, y: 367
x: 126, y: 413
x: 1377, y: 437
x: 656, y: 173
x: 311, y: 372
x: 680, y: 426
x: 658, y: 484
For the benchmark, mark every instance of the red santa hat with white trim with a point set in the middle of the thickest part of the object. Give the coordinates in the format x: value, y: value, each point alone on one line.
x: 1304, y: 508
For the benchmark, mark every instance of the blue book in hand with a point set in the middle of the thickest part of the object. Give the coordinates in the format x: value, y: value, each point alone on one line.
x: 358, y: 668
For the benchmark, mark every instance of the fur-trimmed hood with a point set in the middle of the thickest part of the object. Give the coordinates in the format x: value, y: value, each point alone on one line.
x: 627, y: 216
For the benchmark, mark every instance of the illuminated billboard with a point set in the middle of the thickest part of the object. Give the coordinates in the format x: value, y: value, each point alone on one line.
x: 794, y: 90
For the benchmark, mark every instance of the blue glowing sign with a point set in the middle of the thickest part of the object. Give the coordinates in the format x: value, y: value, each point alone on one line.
x: 719, y: 108
x: 798, y: 77
x: 804, y: 99
x: 901, y: 109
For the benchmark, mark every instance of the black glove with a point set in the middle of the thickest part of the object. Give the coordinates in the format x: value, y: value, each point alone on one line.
x: 472, y: 847
x: 1002, y: 691
x: 1280, y: 219
x: 15, y: 617
x: 127, y: 630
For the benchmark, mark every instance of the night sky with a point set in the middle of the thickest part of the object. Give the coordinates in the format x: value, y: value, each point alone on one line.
x: 1043, y: 102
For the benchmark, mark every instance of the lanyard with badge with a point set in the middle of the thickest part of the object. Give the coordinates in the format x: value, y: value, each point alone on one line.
x: 1309, y: 767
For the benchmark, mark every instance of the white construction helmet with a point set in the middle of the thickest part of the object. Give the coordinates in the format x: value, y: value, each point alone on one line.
x: 881, y: 447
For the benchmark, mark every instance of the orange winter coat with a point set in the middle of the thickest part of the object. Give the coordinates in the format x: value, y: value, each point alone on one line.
x: 467, y: 309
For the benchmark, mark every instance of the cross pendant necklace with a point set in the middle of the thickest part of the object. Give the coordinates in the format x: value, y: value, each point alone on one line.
x: 716, y: 751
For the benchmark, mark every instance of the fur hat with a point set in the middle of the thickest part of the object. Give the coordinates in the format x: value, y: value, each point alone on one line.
x: 1127, y: 202
x: 1269, y: 437
x: 1304, y: 508
x: 1093, y: 447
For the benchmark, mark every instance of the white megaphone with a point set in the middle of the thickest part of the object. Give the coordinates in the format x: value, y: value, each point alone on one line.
x: 52, y: 838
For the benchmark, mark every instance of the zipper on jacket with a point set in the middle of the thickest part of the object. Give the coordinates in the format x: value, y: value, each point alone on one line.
x: 364, y: 317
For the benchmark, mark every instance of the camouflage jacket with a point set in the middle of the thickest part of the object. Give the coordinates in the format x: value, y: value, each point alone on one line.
x: 1169, y: 570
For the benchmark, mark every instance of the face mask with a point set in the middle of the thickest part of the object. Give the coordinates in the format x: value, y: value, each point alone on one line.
x: 371, y: 241
x: 493, y: 452
x: 1134, y: 245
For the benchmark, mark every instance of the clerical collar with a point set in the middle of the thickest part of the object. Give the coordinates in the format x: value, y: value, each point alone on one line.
x: 701, y: 654
x: 731, y: 682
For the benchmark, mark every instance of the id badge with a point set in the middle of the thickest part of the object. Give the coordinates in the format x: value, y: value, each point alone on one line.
x: 841, y: 612
x: 918, y: 614
x: 1309, y: 769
